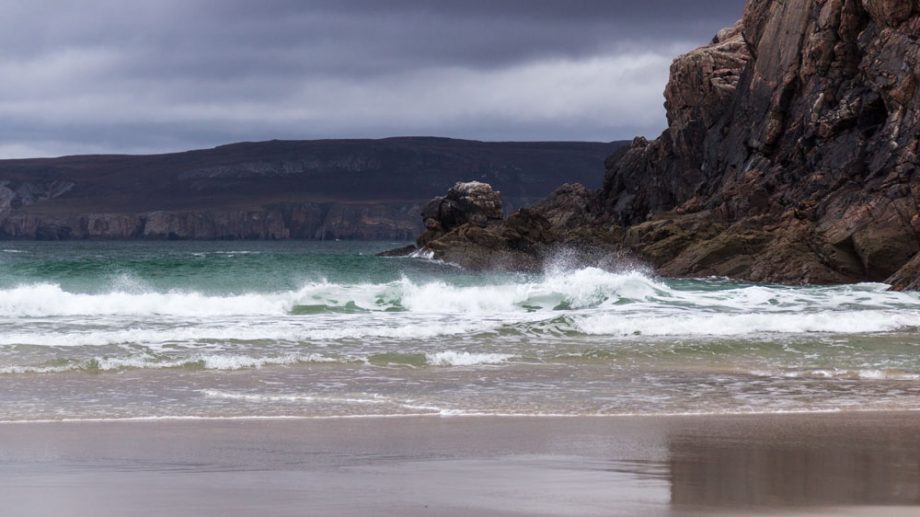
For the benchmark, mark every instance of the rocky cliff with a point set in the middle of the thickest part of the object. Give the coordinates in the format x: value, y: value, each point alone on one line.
x: 791, y: 155
x: 325, y: 189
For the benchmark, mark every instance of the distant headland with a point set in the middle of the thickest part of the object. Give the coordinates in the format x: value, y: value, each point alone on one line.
x: 312, y: 189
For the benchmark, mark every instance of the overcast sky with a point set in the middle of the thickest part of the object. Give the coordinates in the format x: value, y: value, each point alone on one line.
x: 135, y: 76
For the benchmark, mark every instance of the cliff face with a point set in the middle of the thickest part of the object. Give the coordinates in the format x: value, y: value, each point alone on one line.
x: 307, y: 221
x: 327, y: 189
x: 791, y: 153
x: 808, y: 171
x: 36, y: 211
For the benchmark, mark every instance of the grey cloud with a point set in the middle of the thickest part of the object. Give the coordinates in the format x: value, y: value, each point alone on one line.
x: 109, y: 75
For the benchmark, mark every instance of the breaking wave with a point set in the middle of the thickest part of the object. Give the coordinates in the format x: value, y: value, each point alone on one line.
x: 582, y: 289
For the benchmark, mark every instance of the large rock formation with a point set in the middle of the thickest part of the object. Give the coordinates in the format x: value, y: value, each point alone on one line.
x: 791, y: 153
x: 466, y: 227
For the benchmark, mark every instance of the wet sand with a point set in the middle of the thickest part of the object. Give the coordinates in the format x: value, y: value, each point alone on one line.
x: 824, y: 464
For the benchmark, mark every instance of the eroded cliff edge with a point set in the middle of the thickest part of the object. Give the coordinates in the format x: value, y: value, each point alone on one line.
x: 791, y: 156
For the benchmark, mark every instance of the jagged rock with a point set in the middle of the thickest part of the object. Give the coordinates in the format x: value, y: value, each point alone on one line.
x: 908, y: 277
x: 702, y: 84
x: 560, y: 227
x: 792, y: 154
x: 808, y: 170
x: 652, y: 177
x: 571, y: 206
x: 465, y: 203
x: 889, y: 12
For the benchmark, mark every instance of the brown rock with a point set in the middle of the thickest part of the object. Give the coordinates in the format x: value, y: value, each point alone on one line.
x: 791, y: 155
x: 812, y: 170
x: 465, y: 203
x: 908, y: 277
x: 889, y: 12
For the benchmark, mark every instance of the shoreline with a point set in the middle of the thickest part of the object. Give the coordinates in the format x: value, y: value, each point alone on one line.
x: 448, y: 415
x: 794, y: 464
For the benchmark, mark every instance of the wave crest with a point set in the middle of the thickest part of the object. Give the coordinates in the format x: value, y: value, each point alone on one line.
x: 586, y: 301
x: 579, y: 289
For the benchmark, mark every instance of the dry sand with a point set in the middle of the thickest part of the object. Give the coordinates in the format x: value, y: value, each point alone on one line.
x: 824, y: 464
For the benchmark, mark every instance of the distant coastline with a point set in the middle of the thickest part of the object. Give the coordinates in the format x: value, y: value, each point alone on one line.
x: 276, y: 190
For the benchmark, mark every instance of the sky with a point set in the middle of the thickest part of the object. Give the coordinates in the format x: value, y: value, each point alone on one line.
x: 145, y: 76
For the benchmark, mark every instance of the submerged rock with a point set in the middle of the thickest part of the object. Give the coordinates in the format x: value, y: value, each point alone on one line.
x: 404, y: 251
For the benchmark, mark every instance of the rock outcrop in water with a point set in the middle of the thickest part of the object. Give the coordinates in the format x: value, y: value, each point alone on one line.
x: 791, y: 156
x: 473, y: 203
x: 466, y: 227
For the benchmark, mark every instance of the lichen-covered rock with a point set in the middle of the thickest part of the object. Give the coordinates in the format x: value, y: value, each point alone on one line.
x: 465, y: 203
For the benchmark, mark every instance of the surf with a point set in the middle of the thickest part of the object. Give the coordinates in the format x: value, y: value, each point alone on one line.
x: 580, y: 289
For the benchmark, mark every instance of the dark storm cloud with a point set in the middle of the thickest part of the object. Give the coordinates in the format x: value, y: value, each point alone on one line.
x: 106, y: 75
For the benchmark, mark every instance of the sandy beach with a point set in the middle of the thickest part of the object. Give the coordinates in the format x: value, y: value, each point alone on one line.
x: 851, y: 464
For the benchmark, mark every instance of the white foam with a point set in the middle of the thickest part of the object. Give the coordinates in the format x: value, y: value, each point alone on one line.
x: 238, y: 362
x: 415, y: 408
x: 194, y: 332
x: 736, y: 324
x: 598, y: 302
x: 290, y: 397
x: 205, y: 361
x: 425, y: 254
x: 35, y: 369
x: 51, y: 300
x: 451, y: 358
x: 865, y: 374
x: 583, y: 288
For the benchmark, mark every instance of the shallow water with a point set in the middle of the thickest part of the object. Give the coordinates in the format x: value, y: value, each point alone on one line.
x: 299, y: 329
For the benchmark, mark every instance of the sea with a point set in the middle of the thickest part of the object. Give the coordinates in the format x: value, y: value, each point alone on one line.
x: 314, y: 330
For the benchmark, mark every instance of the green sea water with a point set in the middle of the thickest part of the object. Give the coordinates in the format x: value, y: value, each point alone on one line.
x: 109, y: 330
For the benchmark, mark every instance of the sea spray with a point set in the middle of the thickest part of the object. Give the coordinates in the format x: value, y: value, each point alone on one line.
x: 150, y: 330
x: 585, y: 288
